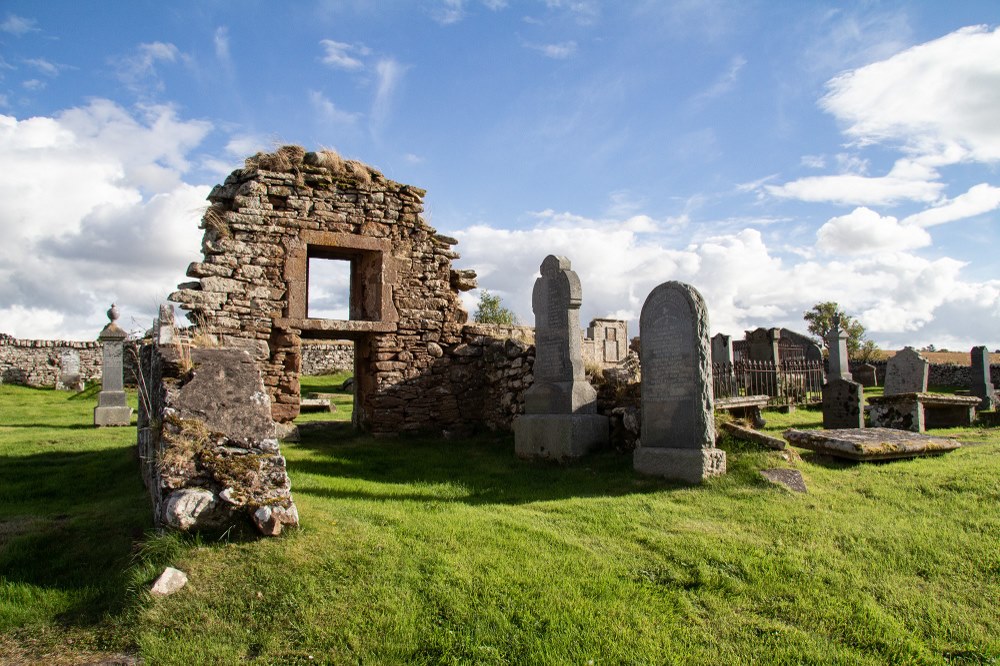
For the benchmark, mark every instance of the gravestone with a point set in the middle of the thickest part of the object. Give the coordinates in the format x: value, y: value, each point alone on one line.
x: 843, y: 398
x: 982, y: 385
x: 560, y: 417
x: 112, y: 407
x: 69, y: 378
x: 866, y: 374
x: 678, y: 425
x: 906, y: 372
x: 722, y: 348
x: 164, y: 325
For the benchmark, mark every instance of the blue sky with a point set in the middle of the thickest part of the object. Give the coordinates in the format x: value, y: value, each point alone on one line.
x: 773, y: 155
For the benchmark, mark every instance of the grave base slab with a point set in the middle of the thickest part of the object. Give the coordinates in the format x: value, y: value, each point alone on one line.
x: 112, y: 416
x: 559, y: 436
x: 687, y: 465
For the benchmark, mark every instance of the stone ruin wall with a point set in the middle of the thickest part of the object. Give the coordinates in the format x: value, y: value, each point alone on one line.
x: 327, y: 358
x: 418, y: 366
x: 36, y: 363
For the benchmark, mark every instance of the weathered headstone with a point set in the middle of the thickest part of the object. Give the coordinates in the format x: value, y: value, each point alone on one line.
x: 982, y: 386
x: 164, y: 325
x: 722, y: 348
x: 112, y: 406
x: 70, y: 378
x: 560, y: 419
x: 906, y: 372
x: 763, y: 345
x: 866, y: 374
x: 678, y: 425
x: 843, y: 398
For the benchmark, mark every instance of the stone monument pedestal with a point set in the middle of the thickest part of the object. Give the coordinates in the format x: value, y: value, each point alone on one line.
x: 112, y: 409
x: 559, y: 436
x: 687, y: 465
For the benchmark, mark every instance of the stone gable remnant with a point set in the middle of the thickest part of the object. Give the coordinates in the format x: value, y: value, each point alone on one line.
x: 560, y: 419
x: 678, y: 425
x: 906, y: 372
x: 412, y: 359
x: 981, y: 385
x: 207, y: 443
x: 605, y: 343
x: 112, y: 406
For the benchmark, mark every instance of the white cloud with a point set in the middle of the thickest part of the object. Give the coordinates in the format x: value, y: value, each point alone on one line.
x: 979, y: 199
x: 863, y: 231
x: 390, y: 74
x: 34, y: 85
x: 851, y: 189
x: 138, y: 72
x: 329, y: 111
x: 44, y: 66
x: 18, y: 25
x: 745, y: 284
x: 95, y: 210
x: 723, y: 84
x: 338, y: 54
x: 559, y: 51
x: 449, y: 12
x: 221, y: 41
x: 934, y: 98
x: 813, y: 161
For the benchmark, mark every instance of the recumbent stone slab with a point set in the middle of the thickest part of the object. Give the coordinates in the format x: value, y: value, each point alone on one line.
x: 678, y: 424
x: 865, y: 444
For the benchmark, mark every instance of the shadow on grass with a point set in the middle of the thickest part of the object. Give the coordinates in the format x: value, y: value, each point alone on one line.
x: 483, y: 466
x: 68, y: 530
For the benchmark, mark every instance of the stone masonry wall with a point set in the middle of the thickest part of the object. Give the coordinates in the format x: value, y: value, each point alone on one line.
x: 264, y: 224
x: 941, y: 374
x: 323, y: 358
x: 36, y: 362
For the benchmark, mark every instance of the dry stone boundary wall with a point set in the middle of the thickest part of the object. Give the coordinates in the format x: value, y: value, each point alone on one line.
x: 36, y: 362
x: 321, y: 358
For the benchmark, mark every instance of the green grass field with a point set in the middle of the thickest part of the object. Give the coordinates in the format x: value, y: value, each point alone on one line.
x: 422, y: 550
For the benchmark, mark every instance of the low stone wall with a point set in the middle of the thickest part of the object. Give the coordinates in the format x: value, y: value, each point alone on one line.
x: 207, y: 446
x: 36, y: 363
x: 327, y: 358
x: 940, y: 374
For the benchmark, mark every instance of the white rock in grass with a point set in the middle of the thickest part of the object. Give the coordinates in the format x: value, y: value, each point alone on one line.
x: 169, y: 582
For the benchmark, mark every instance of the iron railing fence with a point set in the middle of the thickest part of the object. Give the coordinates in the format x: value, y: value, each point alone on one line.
x: 795, y: 381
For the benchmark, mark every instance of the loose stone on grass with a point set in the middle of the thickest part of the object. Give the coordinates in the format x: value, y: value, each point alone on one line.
x: 170, y: 581
x: 789, y: 478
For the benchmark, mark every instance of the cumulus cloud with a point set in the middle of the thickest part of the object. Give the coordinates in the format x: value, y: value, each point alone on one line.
x: 934, y: 98
x: 863, y: 231
x: 850, y: 189
x: 96, y: 210
x: 745, y: 283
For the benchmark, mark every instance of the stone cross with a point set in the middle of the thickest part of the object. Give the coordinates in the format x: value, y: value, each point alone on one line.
x: 906, y: 372
x: 560, y: 408
x: 112, y: 406
x: 982, y: 382
x: 836, y: 343
x: 678, y: 423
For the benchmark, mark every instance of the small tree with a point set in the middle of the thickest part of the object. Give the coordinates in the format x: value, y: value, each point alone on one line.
x: 820, y: 320
x: 491, y: 310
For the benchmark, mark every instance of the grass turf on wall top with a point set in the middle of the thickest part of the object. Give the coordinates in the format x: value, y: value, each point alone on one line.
x: 430, y: 551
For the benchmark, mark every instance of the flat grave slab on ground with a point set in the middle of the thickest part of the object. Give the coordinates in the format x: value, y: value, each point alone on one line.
x: 866, y: 444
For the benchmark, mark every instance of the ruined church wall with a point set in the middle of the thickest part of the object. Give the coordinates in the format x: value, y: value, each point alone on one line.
x: 251, y: 284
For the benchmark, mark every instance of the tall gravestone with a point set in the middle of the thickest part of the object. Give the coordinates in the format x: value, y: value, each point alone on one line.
x: 982, y: 384
x: 678, y: 424
x: 560, y: 408
x: 722, y: 348
x: 906, y: 372
x: 843, y: 398
x: 112, y: 406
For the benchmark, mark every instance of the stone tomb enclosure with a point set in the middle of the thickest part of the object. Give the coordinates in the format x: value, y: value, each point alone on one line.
x: 678, y: 424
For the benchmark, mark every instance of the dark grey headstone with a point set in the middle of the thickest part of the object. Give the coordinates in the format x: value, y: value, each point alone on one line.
x: 866, y: 374
x: 678, y: 425
x: 843, y: 404
x: 982, y: 386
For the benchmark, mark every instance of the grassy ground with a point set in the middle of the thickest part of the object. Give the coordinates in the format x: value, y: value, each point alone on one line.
x: 453, y: 551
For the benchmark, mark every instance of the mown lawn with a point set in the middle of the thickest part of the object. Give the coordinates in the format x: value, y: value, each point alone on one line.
x: 428, y: 550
